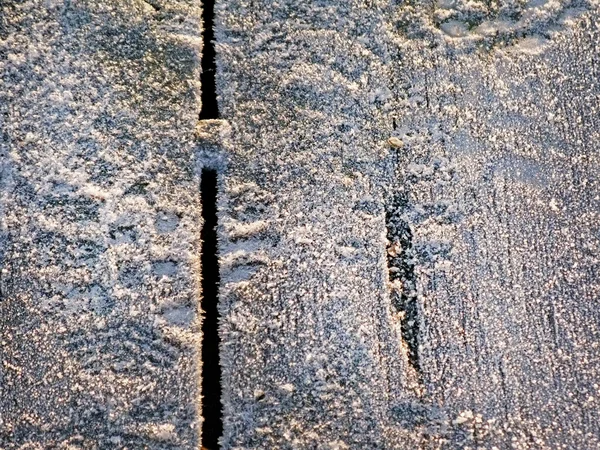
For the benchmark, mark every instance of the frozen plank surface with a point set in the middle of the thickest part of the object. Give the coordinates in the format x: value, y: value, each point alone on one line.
x: 439, y: 290
x: 489, y: 335
x: 100, y: 223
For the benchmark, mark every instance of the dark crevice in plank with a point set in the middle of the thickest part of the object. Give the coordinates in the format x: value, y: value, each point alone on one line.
x: 401, y: 267
x: 210, y: 109
x: 212, y: 427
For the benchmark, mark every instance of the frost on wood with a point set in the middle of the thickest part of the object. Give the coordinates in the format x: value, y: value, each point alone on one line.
x: 489, y: 104
x: 99, y: 221
x: 446, y: 148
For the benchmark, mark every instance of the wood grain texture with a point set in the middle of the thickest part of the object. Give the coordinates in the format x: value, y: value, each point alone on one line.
x: 498, y: 172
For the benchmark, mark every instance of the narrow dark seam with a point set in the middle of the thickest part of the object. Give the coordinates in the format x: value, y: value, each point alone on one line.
x: 210, y: 108
x: 402, y: 277
x: 212, y: 427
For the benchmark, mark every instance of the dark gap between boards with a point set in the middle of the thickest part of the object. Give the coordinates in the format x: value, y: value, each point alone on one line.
x: 212, y: 427
x: 210, y: 108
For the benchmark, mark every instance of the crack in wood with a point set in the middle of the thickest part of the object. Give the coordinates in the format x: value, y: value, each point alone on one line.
x: 402, y: 278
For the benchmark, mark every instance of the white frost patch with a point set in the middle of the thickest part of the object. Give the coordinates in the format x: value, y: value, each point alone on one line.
x: 64, y: 96
x: 236, y: 230
x: 346, y: 251
x: 164, y: 432
x: 455, y: 28
x: 94, y: 192
x: 239, y: 274
x: 288, y: 387
x: 381, y: 94
x: 166, y: 222
x: 463, y: 417
x: 337, y: 445
x: 302, y: 235
x: 536, y: 3
x: 445, y: 4
x: 242, y: 256
x: 570, y: 16
x: 239, y: 189
x: 419, y: 170
x: 532, y: 45
x: 179, y: 315
x: 165, y: 268
x: 491, y: 27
